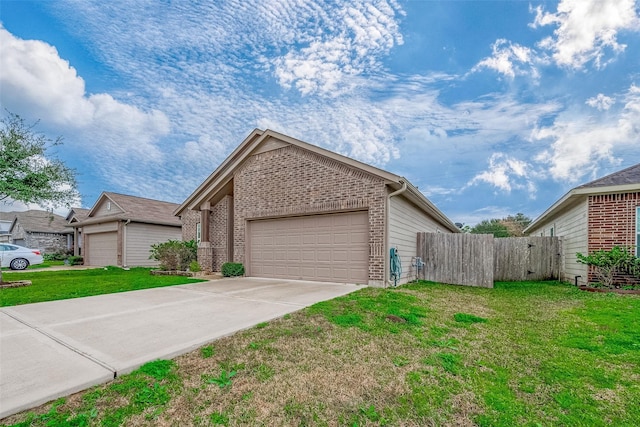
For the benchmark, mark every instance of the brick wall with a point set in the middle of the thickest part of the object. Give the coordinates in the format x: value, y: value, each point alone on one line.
x: 291, y: 181
x: 612, y: 222
x: 219, y: 232
x: 189, y: 220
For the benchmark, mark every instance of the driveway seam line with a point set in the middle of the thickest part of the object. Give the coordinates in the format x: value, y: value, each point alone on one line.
x: 62, y: 343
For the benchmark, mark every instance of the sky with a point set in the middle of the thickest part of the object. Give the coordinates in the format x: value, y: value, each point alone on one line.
x: 490, y: 108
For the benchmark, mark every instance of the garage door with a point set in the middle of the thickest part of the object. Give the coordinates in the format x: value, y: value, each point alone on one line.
x: 326, y: 248
x: 102, y: 248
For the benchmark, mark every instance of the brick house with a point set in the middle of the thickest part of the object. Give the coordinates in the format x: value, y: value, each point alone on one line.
x: 598, y: 215
x: 288, y: 209
x: 119, y: 229
x: 41, y: 230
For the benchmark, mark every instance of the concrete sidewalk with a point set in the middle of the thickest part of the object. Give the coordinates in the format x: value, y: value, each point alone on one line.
x: 52, y: 349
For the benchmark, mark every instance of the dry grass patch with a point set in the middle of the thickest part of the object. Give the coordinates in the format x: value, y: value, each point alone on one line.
x: 421, y: 355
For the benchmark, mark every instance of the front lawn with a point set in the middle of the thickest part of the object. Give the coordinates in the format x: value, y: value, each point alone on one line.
x: 63, y: 284
x: 521, y: 354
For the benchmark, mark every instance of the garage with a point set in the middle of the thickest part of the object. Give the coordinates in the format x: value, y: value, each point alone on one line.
x: 326, y: 248
x: 102, y: 248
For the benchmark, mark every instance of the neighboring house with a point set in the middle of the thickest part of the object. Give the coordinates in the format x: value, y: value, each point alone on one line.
x: 4, y: 231
x: 6, y: 218
x: 119, y: 230
x: 41, y: 230
x: 598, y: 215
x: 288, y: 209
x: 76, y: 215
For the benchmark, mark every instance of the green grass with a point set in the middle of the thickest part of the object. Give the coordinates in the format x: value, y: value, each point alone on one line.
x: 64, y: 284
x: 521, y: 354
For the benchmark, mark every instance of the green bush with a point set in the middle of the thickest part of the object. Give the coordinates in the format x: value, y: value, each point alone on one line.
x: 55, y: 256
x: 174, y: 254
x: 194, y: 266
x: 75, y: 260
x: 606, y: 264
x: 232, y: 269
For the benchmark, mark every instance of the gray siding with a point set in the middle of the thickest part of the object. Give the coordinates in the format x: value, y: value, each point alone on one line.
x: 405, y: 221
x: 139, y: 238
x: 572, y: 226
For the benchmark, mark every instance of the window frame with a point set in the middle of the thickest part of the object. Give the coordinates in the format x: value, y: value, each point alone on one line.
x: 638, y: 231
x: 198, y: 232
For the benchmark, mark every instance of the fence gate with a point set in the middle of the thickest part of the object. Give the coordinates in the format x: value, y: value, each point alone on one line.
x: 527, y: 258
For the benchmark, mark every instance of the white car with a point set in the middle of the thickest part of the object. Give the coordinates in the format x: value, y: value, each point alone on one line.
x: 17, y: 257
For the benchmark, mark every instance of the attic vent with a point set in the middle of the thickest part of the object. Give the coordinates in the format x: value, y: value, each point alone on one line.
x: 108, y: 206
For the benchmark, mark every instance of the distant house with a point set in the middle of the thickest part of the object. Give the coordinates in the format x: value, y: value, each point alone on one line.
x: 119, y: 229
x: 41, y: 230
x: 76, y: 215
x: 598, y: 215
x: 4, y: 231
x: 289, y: 209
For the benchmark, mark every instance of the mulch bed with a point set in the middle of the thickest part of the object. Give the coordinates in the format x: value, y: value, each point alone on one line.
x: 15, y: 284
x: 616, y: 291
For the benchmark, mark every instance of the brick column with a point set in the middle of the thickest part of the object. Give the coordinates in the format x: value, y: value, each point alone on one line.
x: 205, y: 251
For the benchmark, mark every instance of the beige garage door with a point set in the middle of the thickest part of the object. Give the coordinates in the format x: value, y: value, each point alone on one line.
x: 102, y: 248
x: 326, y: 248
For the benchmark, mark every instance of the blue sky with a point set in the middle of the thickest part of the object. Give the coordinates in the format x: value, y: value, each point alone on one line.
x: 489, y: 107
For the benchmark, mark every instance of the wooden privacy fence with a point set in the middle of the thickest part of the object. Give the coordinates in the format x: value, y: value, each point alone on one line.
x: 481, y: 259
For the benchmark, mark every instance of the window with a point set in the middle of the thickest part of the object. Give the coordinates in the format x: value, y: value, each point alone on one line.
x: 198, y: 233
x: 638, y: 231
x: 551, y: 232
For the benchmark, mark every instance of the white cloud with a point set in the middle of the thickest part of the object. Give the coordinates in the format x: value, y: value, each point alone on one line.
x: 577, y: 143
x: 586, y: 30
x: 505, y: 173
x: 35, y: 82
x: 510, y: 59
x: 601, y: 102
x: 359, y: 34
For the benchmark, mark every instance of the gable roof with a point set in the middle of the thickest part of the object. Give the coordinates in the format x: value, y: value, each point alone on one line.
x: 77, y: 214
x: 136, y: 209
x: 224, y: 173
x: 34, y: 221
x: 626, y: 180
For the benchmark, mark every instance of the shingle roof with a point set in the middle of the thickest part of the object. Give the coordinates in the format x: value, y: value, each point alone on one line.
x: 630, y: 175
x: 137, y: 209
x: 7, y: 216
x: 80, y: 214
x: 41, y: 222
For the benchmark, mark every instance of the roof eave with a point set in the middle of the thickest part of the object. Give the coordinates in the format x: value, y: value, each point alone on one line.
x: 422, y: 201
x: 576, y: 194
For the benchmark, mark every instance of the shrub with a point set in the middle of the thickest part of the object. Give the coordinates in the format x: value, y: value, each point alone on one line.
x: 232, y: 269
x: 174, y: 254
x: 194, y: 266
x: 75, y: 260
x: 606, y: 264
x: 55, y: 256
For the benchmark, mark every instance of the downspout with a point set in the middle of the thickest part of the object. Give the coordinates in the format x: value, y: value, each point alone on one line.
x: 124, y: 244
x: 386, y: 280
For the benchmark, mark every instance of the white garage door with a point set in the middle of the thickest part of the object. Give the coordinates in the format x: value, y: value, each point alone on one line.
x: 326, y: 248
x: 102, y: 248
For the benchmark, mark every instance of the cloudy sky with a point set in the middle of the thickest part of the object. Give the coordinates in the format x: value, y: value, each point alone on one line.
x: 489, y: 107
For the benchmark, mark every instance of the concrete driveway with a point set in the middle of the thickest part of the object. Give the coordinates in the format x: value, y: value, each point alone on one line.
x: 52, y: 349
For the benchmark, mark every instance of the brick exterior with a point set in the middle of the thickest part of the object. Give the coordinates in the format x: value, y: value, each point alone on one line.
x: 293, y: 181
x: 612, y: 222
x: 189, y: 220
x: 220, y: 231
